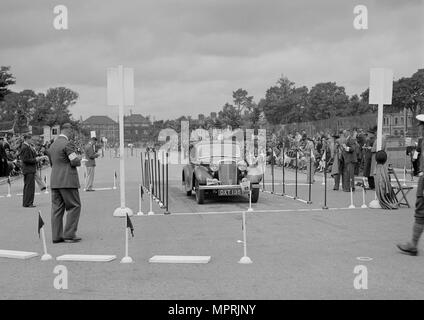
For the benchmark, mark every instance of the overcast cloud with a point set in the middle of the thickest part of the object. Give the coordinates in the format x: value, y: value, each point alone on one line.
x: 189, y: 55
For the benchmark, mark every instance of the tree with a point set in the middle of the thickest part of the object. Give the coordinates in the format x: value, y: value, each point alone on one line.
x: 242, y: 101
x: 6, y: 80
x: 58, y: 100
x: 19, y: 107
x: 229, y: 116
x: 278, y: 101
x: 409, y: 93
x: 327, y: 100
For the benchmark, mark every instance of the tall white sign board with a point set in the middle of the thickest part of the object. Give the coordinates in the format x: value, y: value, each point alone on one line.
x: 120, y: 92
x: 381, y: 90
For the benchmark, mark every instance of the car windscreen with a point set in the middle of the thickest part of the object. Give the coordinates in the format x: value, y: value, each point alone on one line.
x: 225, y: 150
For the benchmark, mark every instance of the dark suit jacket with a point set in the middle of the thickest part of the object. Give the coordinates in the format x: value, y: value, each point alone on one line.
x: 64, y: 170
x: 90, y: 155
x: 350, y: 156
x: 29, y: 163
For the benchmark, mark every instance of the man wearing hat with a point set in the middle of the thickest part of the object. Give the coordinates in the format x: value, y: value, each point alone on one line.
x: 29, y: 162
x: 64, y: 184
x: 90, y: 164
x: 411, y: 248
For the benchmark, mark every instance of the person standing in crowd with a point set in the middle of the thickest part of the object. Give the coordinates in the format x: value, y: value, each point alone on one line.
x: 349, y: 161
x: 4, y: 166
x: 90, y: 164
x: 64, y: 185
x: 42, y: 157
x: 411, y: 247
x: 336, y: 155
x: 29, y: 162
x: 308, y: 150
x: 367, y: 158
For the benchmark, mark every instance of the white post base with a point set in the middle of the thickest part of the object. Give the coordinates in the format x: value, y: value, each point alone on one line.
x: 245, y: 260
x: 140, y: 213
x: 364, y: 206
x: 250, y: 210
x: 352, y: 206
x: 150, y: 213
x: 122, y: 212
x: 127, y: 260
x: 9, y: 195
x: 46, y: 257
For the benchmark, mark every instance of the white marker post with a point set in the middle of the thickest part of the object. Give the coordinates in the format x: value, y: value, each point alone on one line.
x: 151, y: 200
x: 245, y: 259
x: 352, y: 206
x: 45, y: 256
x: 250, y: 201
x: 139, y: 213
x: 363, y: 194
x: 8, y: 188
x: 127, y: 258
x: 45, y: 182
x: 120, y: 91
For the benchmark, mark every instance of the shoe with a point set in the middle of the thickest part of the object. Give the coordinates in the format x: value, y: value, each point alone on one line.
x: 43, y: 189
x: 408, y: 249
x: 30, y: 206
x: 59, y: 241
x: 72, y: 240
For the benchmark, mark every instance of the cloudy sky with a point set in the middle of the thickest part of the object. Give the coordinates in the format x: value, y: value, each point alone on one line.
x: 189, y: 55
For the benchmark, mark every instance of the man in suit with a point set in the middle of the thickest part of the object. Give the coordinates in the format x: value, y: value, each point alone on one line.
x: 349, y: 161
x: 29, y: 167
x: 64, y: 185
x: 411, y: 247
x: 90, y: 164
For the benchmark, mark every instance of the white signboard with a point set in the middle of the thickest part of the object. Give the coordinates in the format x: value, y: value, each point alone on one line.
x: 381, y: 86
x: 46, y: 133
x: 115, y: 86
x: 92, y: 134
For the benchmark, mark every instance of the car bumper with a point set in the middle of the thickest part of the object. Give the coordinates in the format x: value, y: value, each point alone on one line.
x: 220, y: 187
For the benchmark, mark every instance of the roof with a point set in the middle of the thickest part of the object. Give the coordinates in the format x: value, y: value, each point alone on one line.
x: 98, y: 120
x: 136, y: 118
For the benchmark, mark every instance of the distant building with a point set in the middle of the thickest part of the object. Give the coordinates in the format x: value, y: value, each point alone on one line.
x: 394, y: 124
x: 103, y: 126
x: 137, y: 128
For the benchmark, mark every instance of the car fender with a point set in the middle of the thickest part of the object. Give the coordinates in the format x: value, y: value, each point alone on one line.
x: 201, y: 174
x: 254, y: 174
x: 187, y: 175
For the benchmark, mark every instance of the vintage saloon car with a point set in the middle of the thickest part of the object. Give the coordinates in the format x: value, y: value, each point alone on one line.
x: 218, y: 168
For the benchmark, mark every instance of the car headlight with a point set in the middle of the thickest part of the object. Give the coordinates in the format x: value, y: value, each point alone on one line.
x: 214, y: 166
x: 242, y: 165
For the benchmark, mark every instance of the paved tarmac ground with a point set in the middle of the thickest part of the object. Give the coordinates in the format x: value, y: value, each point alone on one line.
x: 299, y: 251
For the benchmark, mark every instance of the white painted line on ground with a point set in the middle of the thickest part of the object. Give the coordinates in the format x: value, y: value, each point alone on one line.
x: 23, y: 255
x: 180, y: 259
x: 255, y: 211
x: 103, y: 189
x: 364, y: 258
x: 86, y: 257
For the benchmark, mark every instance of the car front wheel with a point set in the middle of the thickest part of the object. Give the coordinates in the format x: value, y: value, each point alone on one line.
x: 200, y: 194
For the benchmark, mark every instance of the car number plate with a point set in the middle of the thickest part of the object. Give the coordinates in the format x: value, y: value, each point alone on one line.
x: 229, y: 192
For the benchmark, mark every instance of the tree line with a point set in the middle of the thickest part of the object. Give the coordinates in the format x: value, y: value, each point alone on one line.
x: 27, y: 107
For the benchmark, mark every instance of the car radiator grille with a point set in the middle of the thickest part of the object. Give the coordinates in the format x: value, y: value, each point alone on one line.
x: 228, y: 172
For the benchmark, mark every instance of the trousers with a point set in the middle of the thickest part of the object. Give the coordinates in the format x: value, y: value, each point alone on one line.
x: 69, y: 200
